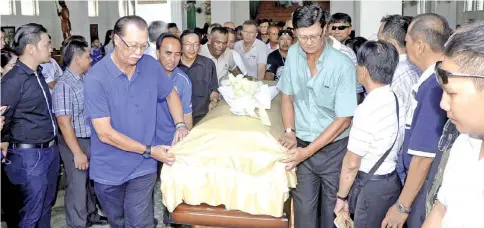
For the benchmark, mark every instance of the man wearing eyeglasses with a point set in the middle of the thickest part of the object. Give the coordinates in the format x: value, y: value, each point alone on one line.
x: 121, y: 95
x: 425, y: 120
x: 340, y: 26
x: 318, y: 102
x: 461, y: 75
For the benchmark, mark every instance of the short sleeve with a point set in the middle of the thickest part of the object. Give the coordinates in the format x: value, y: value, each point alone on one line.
x: 271, y: 64
x: 213, y: 77
x: 95, y: 99
x: 165, y: 85
x: 427, y: 124
x: 285, y: 84
x: 238, y: 61
x: 232, y: 64
x: 361, y: 134
x: 62, y: 103
x: 345, y: 102
x: 58, y: 70
x: 262, y: 54
x: 186, y: 96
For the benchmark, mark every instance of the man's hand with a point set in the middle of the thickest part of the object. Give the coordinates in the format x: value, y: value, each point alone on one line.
x: 180, y: 134
x: 4, y: 148
x: 295, y: 156
x: 212, y: 105
x: 394, y: 218
x: 342, y: 207
x: 161, y: 154
x: 288, y: 140
x: 80, y: 161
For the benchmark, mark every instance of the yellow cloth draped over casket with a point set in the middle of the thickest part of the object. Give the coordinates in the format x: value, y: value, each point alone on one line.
x: 230, y: 160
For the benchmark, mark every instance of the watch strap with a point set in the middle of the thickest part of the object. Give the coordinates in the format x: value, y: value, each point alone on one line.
x: 403, y: 209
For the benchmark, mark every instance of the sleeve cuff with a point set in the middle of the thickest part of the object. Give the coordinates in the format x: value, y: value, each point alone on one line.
x: 421, y: 153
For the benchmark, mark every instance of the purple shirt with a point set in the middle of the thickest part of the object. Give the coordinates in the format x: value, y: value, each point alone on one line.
x: 131, y: 105
x: 165, y: 126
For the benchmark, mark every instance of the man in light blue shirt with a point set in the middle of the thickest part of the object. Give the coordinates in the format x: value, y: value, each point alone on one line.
x: 318, y: 101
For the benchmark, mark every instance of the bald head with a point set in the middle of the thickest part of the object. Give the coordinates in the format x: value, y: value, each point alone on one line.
x: 229, y: 25
x: 432, y: 29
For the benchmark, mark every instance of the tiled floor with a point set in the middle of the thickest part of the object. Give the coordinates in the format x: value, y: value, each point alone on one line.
x: 58, y: 215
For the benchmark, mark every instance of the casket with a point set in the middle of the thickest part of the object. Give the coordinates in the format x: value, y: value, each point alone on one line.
x: 228, y: 173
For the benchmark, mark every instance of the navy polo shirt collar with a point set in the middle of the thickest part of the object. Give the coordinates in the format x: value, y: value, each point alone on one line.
x: 115, y: 72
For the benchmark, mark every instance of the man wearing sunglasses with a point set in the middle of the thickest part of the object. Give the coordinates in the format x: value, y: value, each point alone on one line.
x: 340, y: 26
x: 424, y: 122
x: 461, y: 75
x: 121, y: 93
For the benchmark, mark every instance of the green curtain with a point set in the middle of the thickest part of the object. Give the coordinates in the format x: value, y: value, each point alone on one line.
x: 254, y: 8
x: 191, y: 18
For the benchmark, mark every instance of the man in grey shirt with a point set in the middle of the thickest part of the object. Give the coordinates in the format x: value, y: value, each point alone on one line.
x: 252, y: 51
x: 74, y: 144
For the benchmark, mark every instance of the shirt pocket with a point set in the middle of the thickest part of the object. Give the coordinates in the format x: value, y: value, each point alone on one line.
x: 324, y: 97
x: 200, y: 88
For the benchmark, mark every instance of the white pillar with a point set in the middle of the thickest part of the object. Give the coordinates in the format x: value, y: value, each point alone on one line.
x: 368, y: 15
x: 177, y: 13
x: 222, y: 12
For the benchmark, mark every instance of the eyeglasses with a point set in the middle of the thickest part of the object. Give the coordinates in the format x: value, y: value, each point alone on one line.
x: 193, y: 45
x: 341, y: 28
x: 305, y: 39
x: 134, y: 48
x: 443, y: 75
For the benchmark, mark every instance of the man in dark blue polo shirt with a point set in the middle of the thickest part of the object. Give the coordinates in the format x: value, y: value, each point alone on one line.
x: 425, y: 121
x: 203, y: 74
x: 32, y: 160
x: 121, y: 94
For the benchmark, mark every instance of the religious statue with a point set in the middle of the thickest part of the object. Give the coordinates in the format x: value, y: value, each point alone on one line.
x: 65, y: 22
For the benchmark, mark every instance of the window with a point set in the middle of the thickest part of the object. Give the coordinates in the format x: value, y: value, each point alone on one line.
x: 473, y: 5
x: 29, y: 7
x: 422, y: 6
x: 93, y: 8
x: 7, y: 7
x: 126, y: 7
x: 480, y: 5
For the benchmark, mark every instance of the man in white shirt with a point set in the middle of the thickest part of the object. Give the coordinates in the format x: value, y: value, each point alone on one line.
x: 393, y: 30
x: 52, y: 72
x: 236, y: 55
x: 252, y: 51
x: 155, y: 29
x: 216, y: 50
x: 461, y: 75
x: 377, y: 128
x: 273, y: 43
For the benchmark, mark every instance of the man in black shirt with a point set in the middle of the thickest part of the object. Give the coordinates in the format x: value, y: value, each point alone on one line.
x: 277, y: 59
x: 202, y: 73
x: 32, y: 159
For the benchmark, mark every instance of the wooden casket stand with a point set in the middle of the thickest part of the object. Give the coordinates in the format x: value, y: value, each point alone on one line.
x: 205, y: 216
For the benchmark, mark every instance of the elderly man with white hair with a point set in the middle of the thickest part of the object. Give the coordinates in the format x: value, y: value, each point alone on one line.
x: 155, y: 29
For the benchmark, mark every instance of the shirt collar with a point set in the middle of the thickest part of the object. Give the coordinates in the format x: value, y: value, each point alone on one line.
x: 426, y: 74
x: 402, y: 57
x: 114, y: 70
x: 27, y: 69
x: 74, y: 74
x: 198, y: 61
x: 379, y: 91
x: 336, y: 44
x: 326, y: 49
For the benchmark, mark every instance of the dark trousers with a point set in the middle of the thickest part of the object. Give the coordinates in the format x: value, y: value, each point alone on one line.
x: 128, y: 205
x: 35, y: 173
x: 376, y: 197
x: 11, y: 201
x: 317, y: 185
x: 417, y: 216
x: 80, y: 200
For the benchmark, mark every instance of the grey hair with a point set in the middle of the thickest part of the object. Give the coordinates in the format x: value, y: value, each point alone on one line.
x: 466, y: 48
x: 214, y: 25
x: 123, y: 22
x: 155, y: 29
x: 431, y: 28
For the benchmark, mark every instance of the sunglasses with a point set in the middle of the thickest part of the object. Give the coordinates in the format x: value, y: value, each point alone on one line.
x: 443, y: 75
x: 342, y: 27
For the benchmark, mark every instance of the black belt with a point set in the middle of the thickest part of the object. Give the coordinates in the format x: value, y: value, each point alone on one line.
x: 362, y: 174
x: 31, y: 145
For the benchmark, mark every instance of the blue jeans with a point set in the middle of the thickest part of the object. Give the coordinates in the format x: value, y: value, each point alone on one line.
x: 35, y: 172
x: 129, y: 205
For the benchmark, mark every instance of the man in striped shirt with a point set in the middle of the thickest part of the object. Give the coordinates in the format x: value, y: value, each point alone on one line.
x: 393, y: 30
x: 74, y: 144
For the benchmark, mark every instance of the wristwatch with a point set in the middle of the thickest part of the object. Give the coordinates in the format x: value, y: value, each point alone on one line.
x: 147, y: 152
x: 341, y: 198
x: 403, y: 209
x: 180, y: 125
x: 289, y: 130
